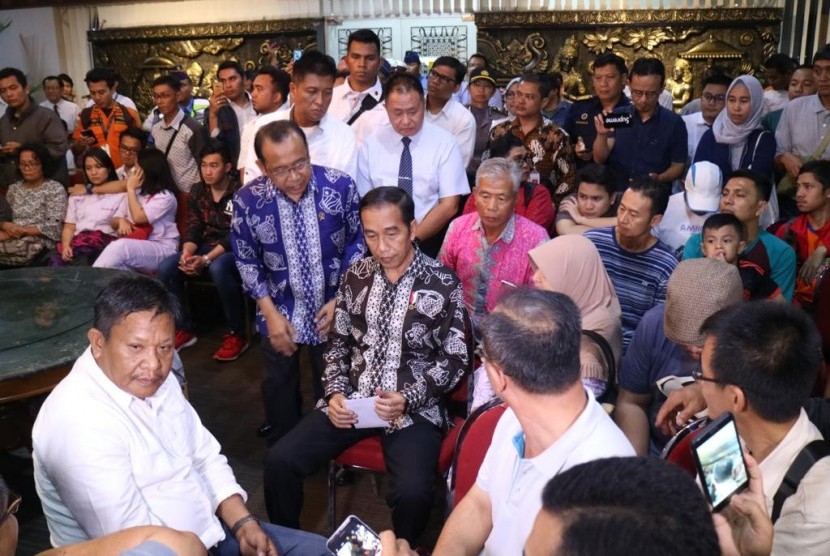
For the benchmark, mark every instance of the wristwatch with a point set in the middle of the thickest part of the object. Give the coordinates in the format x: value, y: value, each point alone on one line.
x: 89, y: 189
x: 207, y: 260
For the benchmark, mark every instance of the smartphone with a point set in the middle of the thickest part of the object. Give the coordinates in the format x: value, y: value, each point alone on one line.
x: 298, y: 54
x: 720, y: 461
x: 619, y: 117
x: 88, y: 134
x: 217, y: 88
x: 354, y: 538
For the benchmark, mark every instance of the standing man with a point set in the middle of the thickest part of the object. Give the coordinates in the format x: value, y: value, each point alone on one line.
x: 477, y: 62
x: 294, y: 231
x: 399, y: 336
x: 655, y: 146
x: 206, y: 249
x: 608, y: 78
x: 638, y: 263
x: 712, y: 101
x: 269, y: 93
x: 554, y: 107
x: 444, y: 111
x: 26, y: 122
x: 550, y: 151
x: 195, y: 107
x: 117, y: 445
x: 331, y: 142
x: 801, y: 84
x: 358, y: 100
x: 101, y: 124
x: 419, y: 157
x: 67, y: 111
x: 230, y: 108
x: 177, y: 135
x: 481, y: 89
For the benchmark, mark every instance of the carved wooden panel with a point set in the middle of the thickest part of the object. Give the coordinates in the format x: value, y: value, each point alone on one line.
x: 687, y: 41
x: 141, y: 54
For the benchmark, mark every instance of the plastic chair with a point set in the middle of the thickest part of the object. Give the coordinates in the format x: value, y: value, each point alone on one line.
x: 678, y: 450
x: 473, y: 441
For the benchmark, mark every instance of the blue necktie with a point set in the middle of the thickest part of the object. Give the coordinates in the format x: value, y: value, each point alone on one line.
x: 405, y: 170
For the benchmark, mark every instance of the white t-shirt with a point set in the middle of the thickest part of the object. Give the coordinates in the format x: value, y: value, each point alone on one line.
x: 679, y: 223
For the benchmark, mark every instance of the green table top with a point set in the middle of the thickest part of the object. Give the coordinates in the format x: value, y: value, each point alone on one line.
x: 45, y: 314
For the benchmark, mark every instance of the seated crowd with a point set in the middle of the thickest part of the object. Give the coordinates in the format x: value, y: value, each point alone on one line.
x: 414, y: 240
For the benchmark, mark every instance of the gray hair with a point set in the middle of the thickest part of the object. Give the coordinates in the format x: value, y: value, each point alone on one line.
x: 500, y: 168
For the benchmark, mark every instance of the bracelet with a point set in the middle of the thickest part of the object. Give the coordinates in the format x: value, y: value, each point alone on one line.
x: 241, y: 522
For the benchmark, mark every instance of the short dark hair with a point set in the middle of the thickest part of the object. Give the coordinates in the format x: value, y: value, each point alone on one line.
x: 500, y: 147
x: 716, y: 75
x: 762, y: 182
x: 136, y: 133
x: 482, y: 56
x: 180, y: 76
x: 534, y: 337
x: 543, y: 84
x: 608, y: 59
x: 649, y: 66
x: 365, y: 36
x: 231, y: 64
x: 452, y: 63
x: 277, y: 132
x: 647, y: 505
x: 97, y: 75
x: 47, y: 162
x: 599, y: 174
x: 721, y: 220
x: 823, y: 54
x: 314, y: 62
x: 157, y: 174
x: 279, y: 79
x: 104, y: 159
x: 820, y: 170
x: 555, y: 80
x: 780, y: 62
x: 654, y: 190
x: 50, y: 78
x: 132, y: 294
x: 169, y: 80
x: 215, y: 146
x: 64, y: 79
x: 5, y: 73
x: 390, y: 195
x: 772, y: 351
x: 402, y: 83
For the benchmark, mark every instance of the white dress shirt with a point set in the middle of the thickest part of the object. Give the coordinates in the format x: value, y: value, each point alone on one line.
x: 331, y: 144
x: 345, y: 102
x: 105, y: 460
x: 246, y: 142
x: 804, y: 525
x: 461, y: 124
x: 696, y: 126
x: 68, y: 112
x: 514, y: 483
x: 437, y: 169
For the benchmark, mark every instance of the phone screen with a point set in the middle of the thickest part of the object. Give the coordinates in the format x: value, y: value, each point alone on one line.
x: 354, y: 538
x: 720, y: 461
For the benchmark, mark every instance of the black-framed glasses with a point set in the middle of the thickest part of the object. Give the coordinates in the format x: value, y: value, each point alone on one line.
x: 442, y: 79
x: 718, y: 99
x: 697, y: 374
x: 12, y: 506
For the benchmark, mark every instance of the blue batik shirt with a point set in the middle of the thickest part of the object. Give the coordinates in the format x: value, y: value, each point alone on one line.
x: 297, y: 252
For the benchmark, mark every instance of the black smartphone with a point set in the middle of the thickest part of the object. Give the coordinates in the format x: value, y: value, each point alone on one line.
x: 720, y: 461
x: 354, y: 538
x: 619, y: 117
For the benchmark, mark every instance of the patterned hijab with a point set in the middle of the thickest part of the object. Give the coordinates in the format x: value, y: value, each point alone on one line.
x: 571, y: 264
x: 730, y: 133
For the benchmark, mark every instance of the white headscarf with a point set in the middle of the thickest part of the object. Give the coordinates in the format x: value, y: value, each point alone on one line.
x: 730, y: 133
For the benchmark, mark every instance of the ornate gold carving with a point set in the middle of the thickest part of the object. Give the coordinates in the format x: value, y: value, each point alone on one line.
x: 628, y: 17
x: 680, y: 84
x: 517, y: 57
x: 217, y: 30
x: 573, y: 88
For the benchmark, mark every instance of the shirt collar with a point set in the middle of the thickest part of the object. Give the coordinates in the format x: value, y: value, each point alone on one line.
x: 506, y: 234
x: 309, y: 193
x: 375, y: 90
x: 817, y: 105
x: 177, y: 121
x: 415, y: 268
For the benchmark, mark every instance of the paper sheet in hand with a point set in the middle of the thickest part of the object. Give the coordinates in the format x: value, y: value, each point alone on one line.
x: 366, y: 416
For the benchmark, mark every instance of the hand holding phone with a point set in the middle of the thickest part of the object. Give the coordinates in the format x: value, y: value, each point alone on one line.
x: 354, y: 538
x: 720, y: 461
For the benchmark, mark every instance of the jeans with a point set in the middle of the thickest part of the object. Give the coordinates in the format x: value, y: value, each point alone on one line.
x: 224, y: 275
x: 289, y: 542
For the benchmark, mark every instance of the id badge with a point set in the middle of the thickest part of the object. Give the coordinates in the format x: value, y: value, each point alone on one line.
x: 535, y: 177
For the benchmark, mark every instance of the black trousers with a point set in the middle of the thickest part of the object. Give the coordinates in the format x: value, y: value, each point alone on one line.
x: 281, y: 387
x: 411, y: 456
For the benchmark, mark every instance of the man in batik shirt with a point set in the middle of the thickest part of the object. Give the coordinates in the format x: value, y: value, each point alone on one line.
x: 399, y: 336
x: 294, y: 232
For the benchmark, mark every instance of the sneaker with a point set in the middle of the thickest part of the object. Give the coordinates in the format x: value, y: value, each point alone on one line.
x: 232, y: 347
x: 184, y: 339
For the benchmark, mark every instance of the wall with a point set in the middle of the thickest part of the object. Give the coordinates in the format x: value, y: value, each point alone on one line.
x: 29, y: 43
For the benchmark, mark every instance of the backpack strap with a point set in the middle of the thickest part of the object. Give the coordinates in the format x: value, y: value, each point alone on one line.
x: 809, y: 455
x: 368, y: 103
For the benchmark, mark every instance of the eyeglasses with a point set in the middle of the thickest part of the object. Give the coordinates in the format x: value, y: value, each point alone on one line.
x: 651, y: 95
x: 12, y: 507
x: 709, y: 97
x: 282, y: 173
x: 442, y: 79
x: 697, y: 374
x: 29, y: 165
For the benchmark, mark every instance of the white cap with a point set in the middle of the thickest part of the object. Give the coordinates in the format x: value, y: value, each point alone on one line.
x: 704, y: 183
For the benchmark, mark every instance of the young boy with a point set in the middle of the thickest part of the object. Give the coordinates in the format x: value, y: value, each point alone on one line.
x: 722, y: 235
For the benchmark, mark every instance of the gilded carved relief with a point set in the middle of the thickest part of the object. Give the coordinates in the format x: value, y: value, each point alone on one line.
x: 687, y: 41
x: 142, y: 54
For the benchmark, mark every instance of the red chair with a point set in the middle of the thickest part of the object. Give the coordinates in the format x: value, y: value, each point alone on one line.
x: 473, y: 441
x: 678, y: 450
